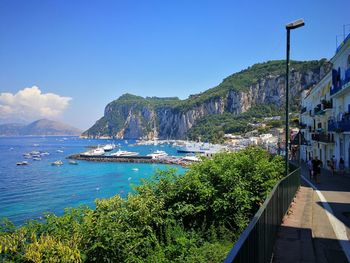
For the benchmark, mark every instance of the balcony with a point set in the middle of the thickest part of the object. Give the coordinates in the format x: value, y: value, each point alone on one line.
x: 306, y: 143
x: 334, y: 90
x: 337, y: 83
x: 340, y: 126
x: 318, y: 110
x: 322, y: 137
x: 327, y: 104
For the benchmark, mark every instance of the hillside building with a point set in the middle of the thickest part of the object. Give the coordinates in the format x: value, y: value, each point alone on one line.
x: 325, y: 112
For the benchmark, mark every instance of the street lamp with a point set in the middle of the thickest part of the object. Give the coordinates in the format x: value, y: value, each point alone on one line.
x: 289, y: 27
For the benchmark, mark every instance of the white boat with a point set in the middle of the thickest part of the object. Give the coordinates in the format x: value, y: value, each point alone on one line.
x: 135, y: 169
x: 157, y: 154
x: 200, y: 148
x: 191, y: 158
x: 37, y: 159
x: 57, y: 163
x: 59, y: 151
x: 121, y: 153
x: 34, y: 153
x: 22, y: 163
x: 109, y: 147
x: 44, y: 153
x: 27, y: 155
x: 73, y: 162
x: 94, y: 152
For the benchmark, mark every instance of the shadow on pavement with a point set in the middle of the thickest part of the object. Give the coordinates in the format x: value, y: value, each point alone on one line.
x: 295, y: 244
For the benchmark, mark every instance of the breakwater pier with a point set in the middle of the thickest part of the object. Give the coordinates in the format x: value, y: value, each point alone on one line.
x: 132, y: 159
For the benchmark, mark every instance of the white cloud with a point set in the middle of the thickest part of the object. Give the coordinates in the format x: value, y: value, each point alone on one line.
x: 30, y: 104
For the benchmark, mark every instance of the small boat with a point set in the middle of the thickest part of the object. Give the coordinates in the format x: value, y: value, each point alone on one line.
x: 37, y: 159
x: 27, y: 155
x: 34, y: 153
x: 135, y: 169
x: 59, y: 151
x: 35, y: 145
x: 73, y: 162
x: 22, y: 163
x: 44, y: 153
x: 157, y: 154
x: 121, y: 153
x: 191, y: 158
x: 57, y: 163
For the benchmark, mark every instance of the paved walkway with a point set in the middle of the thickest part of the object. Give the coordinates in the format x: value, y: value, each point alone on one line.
x: 318, y: 218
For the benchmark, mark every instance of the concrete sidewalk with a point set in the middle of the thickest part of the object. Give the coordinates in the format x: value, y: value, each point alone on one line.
x: 306, y: 234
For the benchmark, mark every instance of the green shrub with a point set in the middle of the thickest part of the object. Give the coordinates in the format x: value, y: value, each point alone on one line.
x: 193, y: 217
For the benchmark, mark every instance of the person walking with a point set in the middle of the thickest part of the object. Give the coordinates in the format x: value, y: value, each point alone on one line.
x: 309, y: 165
x: 316, y: 169
x: 341, y: 166
x: 333, y: 164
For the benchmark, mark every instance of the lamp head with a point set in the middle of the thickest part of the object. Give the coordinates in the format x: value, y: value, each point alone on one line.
x: 295, y: 24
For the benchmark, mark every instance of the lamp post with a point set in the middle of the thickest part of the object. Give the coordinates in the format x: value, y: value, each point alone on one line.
x: 289, y: 27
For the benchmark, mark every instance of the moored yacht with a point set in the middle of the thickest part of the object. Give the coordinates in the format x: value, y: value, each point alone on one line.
x: 22, y: 163
x: 57, y: 163
x: 94, y: 152
x: 157, y: 154
x: 121, y: 153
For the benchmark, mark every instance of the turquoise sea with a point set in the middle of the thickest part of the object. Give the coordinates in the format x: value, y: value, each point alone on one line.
x: 26, y: 192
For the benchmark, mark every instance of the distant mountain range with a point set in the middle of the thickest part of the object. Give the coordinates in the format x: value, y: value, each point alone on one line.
x: 39, y: 127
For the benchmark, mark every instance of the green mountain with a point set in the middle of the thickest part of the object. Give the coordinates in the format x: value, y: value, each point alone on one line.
x: 132, y: 116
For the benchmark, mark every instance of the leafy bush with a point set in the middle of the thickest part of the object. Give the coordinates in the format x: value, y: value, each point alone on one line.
x: 194, y: 217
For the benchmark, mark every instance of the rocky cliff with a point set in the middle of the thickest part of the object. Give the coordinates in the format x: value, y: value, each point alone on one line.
x: 132, y: 116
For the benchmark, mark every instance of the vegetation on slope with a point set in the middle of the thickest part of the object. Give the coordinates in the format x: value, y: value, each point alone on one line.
x: 194, y: 217
x: 242, y: 80
x: 130, y: 99
x: 213, y: 127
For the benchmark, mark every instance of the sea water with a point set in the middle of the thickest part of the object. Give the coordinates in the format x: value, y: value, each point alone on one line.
x: 26, y: 192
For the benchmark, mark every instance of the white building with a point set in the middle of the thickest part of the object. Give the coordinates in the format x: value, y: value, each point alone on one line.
x: 339, y: 124
x: 315, y: 112
x: 325, y: 113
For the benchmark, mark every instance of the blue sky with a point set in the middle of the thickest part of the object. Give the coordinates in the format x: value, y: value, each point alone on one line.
x: 91, y: 52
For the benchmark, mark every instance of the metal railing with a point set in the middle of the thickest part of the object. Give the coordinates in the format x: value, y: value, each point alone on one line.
x: 256, y: 242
